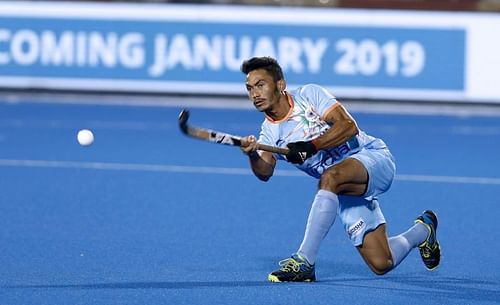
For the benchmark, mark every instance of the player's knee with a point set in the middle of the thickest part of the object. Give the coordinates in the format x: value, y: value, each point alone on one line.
x: 380, y: 266
x: 329, y: 180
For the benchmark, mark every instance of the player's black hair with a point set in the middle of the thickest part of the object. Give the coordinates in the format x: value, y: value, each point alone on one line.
x: 267, y: 63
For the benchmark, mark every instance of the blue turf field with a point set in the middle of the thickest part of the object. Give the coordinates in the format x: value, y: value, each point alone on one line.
x: 148, y: 216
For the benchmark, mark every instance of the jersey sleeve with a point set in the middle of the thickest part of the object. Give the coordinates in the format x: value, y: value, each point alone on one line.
x: 267, y: 136
x: 322, y: 100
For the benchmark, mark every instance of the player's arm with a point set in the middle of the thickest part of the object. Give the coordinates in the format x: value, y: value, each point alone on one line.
x: 343, y: 128
x: 261, y: 162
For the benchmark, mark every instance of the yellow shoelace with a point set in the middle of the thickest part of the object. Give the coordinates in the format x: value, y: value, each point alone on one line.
x: 426, y: 252
x: 289, y: 264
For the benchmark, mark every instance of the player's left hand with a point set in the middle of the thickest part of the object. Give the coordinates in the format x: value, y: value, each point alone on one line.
x: 248, y: 145
x: 300, y: 151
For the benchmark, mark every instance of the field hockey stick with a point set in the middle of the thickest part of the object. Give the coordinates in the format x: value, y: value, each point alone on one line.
x: 219, y: 137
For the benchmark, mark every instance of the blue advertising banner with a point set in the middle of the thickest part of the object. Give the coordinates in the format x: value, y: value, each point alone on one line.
x: 354, y: 56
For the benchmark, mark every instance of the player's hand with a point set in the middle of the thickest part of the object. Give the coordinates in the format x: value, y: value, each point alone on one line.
x: 249, y: 145
x: 300, y: 151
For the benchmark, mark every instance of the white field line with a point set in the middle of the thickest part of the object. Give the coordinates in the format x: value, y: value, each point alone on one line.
x: 218, y: 170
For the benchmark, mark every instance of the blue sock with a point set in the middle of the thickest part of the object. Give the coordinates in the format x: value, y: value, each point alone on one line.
x: 321, y: 218
x: 402, y: 244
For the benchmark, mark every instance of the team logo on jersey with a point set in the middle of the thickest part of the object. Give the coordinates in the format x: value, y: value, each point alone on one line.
x: 311, y: 116
x: 309, y: 119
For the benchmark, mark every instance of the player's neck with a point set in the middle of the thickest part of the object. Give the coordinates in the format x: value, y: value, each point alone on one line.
x: 280, y: 109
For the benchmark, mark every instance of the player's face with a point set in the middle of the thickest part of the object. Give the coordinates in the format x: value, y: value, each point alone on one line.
x: 262, y: 89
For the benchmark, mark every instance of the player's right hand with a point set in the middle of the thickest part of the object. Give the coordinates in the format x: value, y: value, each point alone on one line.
x: 248, y: 145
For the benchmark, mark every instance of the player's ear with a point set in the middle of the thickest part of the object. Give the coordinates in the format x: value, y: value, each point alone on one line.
x: 281, y: 85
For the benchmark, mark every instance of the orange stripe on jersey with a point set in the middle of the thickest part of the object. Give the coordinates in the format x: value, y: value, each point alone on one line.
x: 290, y: 111
x: 337, y: 104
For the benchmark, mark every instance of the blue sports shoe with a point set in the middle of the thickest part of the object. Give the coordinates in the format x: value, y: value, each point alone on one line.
x: 430, y: 250
x: 293, y: 269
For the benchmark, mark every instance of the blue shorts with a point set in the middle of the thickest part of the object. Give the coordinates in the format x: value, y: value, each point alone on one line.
x: 361, y: 215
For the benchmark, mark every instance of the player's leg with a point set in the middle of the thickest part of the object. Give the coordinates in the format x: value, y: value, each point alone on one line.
x: 382, y: 254
x: 365, y: 225
x: 362, y: 217
x: 376, y: 252
x: 321, y: 217
x: 347, y: 177
x: 300, y: 267
x: 364, y: 221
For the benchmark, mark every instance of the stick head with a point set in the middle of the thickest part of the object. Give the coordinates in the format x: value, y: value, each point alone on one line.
x: 183, y: 118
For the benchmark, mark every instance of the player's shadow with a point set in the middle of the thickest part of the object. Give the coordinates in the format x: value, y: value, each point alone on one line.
x: 452, y: 288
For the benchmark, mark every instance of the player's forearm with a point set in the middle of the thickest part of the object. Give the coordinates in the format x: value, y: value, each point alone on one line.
x: 340, y: 132
x: 261, y: 169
